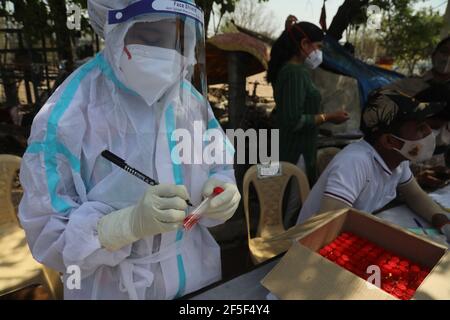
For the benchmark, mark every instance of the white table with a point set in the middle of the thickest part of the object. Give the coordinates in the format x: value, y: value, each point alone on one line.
x: 404, y: 217
x: 245, y: 287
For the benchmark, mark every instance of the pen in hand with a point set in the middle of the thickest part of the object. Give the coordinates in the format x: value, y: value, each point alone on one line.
x: 123, y: 165
x: 421, y: 226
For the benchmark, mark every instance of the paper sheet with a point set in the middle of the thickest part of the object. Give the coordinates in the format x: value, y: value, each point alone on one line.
x: 442, y: 197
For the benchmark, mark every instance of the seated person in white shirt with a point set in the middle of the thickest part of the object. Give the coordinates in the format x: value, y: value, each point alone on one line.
x: 366, y: 175
x: 433, y: 86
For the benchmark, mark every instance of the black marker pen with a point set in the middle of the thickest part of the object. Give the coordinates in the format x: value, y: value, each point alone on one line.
x: 123, y: 165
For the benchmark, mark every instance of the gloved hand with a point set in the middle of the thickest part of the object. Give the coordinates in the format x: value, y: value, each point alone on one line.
x: 223, y: 206
x: 161, y: 210
x: 446, y: 231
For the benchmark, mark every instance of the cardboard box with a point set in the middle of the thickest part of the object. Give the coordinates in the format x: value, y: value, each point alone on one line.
x: 303, y: 274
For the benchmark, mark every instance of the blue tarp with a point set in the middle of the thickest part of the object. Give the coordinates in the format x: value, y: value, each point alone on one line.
x: 369, y: 77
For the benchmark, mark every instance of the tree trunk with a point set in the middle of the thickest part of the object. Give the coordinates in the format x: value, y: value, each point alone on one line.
x: 446, y: 28
x: 344, y: 16
x: 207, y: 6
x: 207, y: 18
x: 9, y: 87
x: 58, y: 13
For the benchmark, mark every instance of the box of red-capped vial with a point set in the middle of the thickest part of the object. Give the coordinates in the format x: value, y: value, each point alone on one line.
x: 351, y: 255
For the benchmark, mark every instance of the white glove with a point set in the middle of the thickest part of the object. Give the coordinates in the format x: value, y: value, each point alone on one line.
x: 161, y: 210
x: 223, y: 206
x: 446, y: 231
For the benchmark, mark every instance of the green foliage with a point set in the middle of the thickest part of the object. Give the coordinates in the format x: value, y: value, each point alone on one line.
x: 35, y: 17
x: 32, y: 15
x: 360, y: 16
x: 409, y: 36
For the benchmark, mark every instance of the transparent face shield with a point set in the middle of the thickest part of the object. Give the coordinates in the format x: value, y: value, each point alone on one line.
x: 168, y: 27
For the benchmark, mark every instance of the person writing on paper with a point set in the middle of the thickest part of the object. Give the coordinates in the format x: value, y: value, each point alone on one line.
x: 367, y: 174
x: 433, y: 86
x: 438, y: 89
x: 79, y: 209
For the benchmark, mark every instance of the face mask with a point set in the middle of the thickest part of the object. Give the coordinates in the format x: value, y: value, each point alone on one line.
x: 150, y: 71
x: 419, y: 150
x: 443, y: 135
x: 436, y: 133
x: 314, y: 59
x: 442, y: 65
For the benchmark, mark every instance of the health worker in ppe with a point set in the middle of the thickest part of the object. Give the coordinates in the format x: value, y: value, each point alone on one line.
x: 78, y: 209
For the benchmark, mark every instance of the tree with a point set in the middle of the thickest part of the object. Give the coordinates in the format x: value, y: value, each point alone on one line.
x: 446, y: 29
x: 38, y: 18
x: 251, y: 16
x: 406, y: 35
x: 351, y: 12
x: 225, y: 6
x: 208, y: 5
x: 36, y: 24
x: 58, y: 14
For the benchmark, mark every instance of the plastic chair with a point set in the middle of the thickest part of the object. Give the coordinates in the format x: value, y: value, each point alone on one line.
x: 18, y: 269
x: 270, y: 193
x: 324, y: 157
x: 9, y: 165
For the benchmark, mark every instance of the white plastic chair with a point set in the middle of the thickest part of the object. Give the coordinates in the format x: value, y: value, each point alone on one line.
x: 18, y: 269
x: 270, y: 193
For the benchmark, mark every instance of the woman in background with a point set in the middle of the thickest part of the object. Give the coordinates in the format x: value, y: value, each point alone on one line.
x: 298, y: 112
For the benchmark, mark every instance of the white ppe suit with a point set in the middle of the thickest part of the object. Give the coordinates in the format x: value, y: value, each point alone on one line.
x: 68, y: 186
